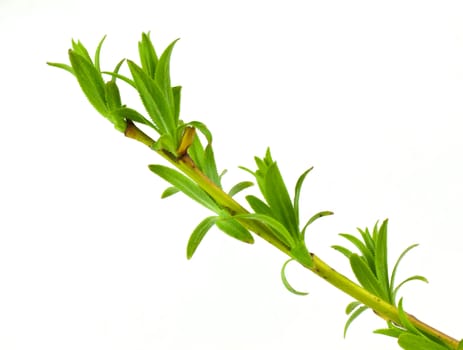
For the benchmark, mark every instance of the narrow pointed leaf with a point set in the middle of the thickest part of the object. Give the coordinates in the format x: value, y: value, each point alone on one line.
x: 390, y: 332
x: 148, y: 57
x: 361, y: 247
x: 278, y: 199
x: 66, y: 67
x: 409, y: 279
x: 279, y: 230
x: 152, y: 99
x: 97, y: 54
x: 405, y: 321
x: 162, y: 74
x: 364, y: 275
x: 396, y: 266
x: 285, y: 280
x: 313, y: 218
x: 381, y: 265
x: 297, y: 193
x: 131, y: 114
x: 234, y: 229
x: 239, y: 187
x: 169, y: 191
x: 210, y: 167
x: 185, y: 185
x: 176, y: 92
x: 80, y: 49
x: 408, y: 341
x: 346, y: 252
x: 258, y: 205
x: 198, y: 234
x: 90, y: 81
x: 353, y: 316
x: 352, y: 306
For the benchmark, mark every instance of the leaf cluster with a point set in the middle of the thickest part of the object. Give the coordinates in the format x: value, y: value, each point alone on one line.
x: 370, y: 267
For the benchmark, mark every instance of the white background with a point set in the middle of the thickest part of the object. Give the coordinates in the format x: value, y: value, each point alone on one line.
x: 368, y: 92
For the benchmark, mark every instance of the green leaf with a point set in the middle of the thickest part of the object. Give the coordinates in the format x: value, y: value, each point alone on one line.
x: 202, y: 128
x: 285, y: 280
x: 346, y: 252
x: 460, y: 345
x: 176, y: 92
x: 234, y: 229
x: 258, y: 205
x: 381, y: 266
x: 80, y: 49
x: 210, y: 168
x: 352, y: 306
x: 394, y: 270
x: 148, y: 57
x: 278, y: 229
x: 361, y: 247
x: 405, y: 321
x: 313, y: 218
x: 353, y: 316
x: 185, y: 185
x: 413, y: 278
x: 390, y: 332
x: 97, y: 54
x: 153, y: 100
x: 365, y: 275
x: 66, y: 67
x: 90, y: 81
x: 113, y: 97
x: 410, y: 341
x: 297, y: 193
x: 239, y: 187
x: 162, y: 74
x: 198, y: 235
x: 169, y: 191
x: 278, y: 199
x: 131, y: 114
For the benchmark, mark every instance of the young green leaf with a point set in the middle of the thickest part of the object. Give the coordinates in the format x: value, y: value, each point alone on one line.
x: 396, y: 266
x: 66, y: 67
x: 90, y: 81
x: 169, y: 191
x: 176, y: 93
x: 365, y: 275
x: 80, y: 49
x: 277, y: 228
x: 400, y: 285
x: 381, y: 266
x: 148, y: 57
x: 210, y: 167
x: 239, y: 187
x: 390, y: 332
x: 352, y: 306
x: 185, y: 185
x: 408, y: 341
x: 153, y: 99
x: 405, y: 321
x: 162, y: 74
x: 361, y: 247
x: 234, y: 229
x: 313, y: 218
x: 297, y: 193
x: 131, y: 114
x: 285, y: 280
x: 198, y: 234
x: 97, y: 54
x: 346, y: 252
x: 258, y: 205
x: 278, y: 199
x: 353, y: 316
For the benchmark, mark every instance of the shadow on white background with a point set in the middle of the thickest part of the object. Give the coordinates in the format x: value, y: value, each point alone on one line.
x: 91, y: 258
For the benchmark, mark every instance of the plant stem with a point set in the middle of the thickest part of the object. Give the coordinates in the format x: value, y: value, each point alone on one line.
x: 382, y: 308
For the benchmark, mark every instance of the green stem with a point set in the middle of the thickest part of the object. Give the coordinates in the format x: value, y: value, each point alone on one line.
x: 379, y: 306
